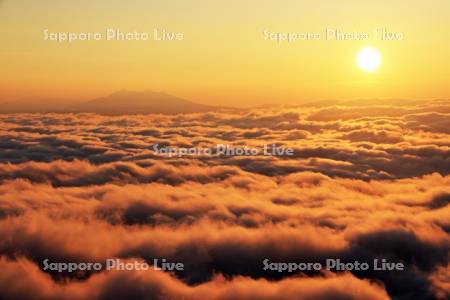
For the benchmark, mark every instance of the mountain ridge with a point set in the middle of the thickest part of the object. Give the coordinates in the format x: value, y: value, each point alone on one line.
x: 120, y: 102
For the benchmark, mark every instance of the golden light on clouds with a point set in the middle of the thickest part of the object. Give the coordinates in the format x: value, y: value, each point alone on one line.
x: 216, y: 149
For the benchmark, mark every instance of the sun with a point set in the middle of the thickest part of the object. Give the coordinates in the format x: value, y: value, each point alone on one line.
x: 368, y: 59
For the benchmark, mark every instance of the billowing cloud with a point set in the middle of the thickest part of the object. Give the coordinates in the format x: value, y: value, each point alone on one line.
x: 363, y: 183
x: 23, y: 280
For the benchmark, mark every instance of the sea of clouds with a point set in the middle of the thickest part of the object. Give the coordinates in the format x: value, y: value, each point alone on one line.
x: 364, y: 182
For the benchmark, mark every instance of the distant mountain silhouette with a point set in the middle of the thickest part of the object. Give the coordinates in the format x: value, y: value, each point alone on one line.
x: 122, y: 102
x: 130, y: 102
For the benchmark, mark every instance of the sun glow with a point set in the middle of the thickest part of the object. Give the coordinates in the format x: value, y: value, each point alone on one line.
x: 369, y: 59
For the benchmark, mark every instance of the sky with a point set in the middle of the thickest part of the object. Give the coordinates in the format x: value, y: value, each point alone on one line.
x: 224, y: 58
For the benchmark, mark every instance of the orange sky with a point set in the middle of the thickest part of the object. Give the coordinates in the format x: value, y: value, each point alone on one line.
x: 224, y: 58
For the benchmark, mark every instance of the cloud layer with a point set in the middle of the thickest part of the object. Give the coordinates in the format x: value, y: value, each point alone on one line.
x: 364, y: 182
